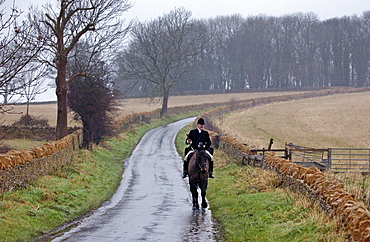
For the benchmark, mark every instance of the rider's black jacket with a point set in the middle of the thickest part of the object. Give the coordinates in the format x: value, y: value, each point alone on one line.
x: 197, y: 137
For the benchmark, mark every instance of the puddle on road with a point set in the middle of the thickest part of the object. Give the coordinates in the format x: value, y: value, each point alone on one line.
x: 202, y: 227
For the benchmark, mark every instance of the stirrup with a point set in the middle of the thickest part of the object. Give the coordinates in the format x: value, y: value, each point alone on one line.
x: 184, y: 174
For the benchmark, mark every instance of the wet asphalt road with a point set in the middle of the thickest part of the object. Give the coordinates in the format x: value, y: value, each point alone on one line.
x: 153, y: 202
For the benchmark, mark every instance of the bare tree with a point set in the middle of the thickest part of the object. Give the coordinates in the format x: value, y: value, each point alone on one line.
x: 16, y: 50
x: 33, y: 83
x: 161, y: 51
x: 63, y: 26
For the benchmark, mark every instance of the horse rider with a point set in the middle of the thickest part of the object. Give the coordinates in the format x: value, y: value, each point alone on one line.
x: 194, y: 137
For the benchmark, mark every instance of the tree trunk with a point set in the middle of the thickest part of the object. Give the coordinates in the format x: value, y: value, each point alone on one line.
x: 165, y: 102
x: 5, y: 95
x: 61, y: 92
x: 87, y: 140
x: 28, y: 108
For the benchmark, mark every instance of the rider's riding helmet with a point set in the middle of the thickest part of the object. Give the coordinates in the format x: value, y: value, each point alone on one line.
x: 201, y: 121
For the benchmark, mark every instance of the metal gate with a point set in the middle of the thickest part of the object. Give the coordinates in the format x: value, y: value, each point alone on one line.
x: 349, y: 159
x: 336, y: 159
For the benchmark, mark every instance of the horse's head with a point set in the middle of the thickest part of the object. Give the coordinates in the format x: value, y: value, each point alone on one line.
x: 202, y: 160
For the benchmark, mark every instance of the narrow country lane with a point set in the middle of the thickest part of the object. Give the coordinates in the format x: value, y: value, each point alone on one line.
x: 153, y: 202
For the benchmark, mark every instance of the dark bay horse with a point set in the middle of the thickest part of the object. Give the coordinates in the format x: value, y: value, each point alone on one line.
x: 198, y: 177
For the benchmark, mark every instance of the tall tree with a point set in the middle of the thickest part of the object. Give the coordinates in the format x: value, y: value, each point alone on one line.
x: 162, y: 51
x: 63, y: 26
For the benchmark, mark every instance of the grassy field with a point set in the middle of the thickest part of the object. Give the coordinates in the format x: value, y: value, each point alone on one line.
x: 130, y: 106
x: 332, y: 121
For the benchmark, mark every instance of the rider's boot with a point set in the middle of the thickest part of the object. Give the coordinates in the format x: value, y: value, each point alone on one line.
x: 211, y: 169
x: 185, y: 168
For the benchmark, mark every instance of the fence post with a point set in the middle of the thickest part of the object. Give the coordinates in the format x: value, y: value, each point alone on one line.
x: 329, y: 158
x: 270, y: 143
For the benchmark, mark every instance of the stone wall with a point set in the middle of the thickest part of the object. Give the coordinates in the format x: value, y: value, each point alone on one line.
x: 19, y: 168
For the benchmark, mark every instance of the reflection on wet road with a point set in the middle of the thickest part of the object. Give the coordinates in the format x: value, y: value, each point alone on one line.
x: 153, y: 202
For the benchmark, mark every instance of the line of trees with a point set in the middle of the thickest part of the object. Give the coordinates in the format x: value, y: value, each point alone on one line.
x: 296, y: 50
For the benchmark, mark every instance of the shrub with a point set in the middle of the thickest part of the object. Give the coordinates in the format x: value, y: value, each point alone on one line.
x: 31, y: 121
x: 4, y: 148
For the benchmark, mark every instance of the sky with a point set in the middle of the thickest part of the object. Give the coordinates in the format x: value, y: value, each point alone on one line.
x: 325, y: 9
x: 146, y: 10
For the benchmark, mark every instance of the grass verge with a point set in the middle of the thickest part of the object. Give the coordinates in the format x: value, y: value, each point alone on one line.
x: 89, y: 180
x: 250, y: 205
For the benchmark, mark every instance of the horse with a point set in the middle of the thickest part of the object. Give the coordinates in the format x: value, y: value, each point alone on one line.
x: 198, y: 176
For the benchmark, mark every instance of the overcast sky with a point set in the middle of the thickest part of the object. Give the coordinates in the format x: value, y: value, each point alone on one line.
x: 151, y: 9
x: 145, y: 10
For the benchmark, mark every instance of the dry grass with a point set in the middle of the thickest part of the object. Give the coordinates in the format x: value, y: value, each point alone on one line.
x: 43, y: 110
x: 355, y: 182
x: 332, y: 121
x: 21, y: 144
x: 135, y: 105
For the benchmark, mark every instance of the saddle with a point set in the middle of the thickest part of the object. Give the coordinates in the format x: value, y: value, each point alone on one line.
x: 191, y: 152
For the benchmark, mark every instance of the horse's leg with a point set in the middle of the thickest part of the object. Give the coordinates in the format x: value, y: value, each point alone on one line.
x: 203, y: 194
x: 194, y: 194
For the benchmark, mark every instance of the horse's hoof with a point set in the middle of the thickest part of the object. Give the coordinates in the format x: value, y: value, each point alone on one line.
x: 203, y: 210
x: 204, y: 205
x: 195, y: 207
